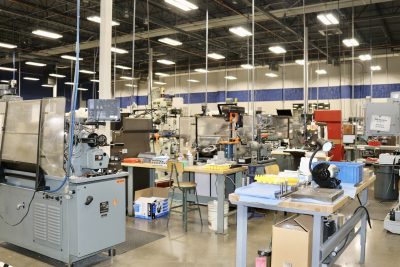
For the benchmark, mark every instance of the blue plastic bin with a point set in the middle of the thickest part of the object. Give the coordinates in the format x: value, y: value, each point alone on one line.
x: 349, y: 172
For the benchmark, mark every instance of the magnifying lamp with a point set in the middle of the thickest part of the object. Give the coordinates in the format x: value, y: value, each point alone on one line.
x: 323, y: 145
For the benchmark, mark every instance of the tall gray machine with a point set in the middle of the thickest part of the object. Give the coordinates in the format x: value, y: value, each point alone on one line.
x: 42, y: 210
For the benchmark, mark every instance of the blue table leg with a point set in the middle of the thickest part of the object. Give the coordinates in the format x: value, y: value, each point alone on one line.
x: 241, y: 236
x: 316, y: 240
x: 363, y: 231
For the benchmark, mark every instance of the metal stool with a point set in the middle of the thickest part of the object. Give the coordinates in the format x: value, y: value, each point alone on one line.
x: 176, y: 174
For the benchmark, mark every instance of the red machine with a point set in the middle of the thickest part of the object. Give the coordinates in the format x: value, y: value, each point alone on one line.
x: 333, y: 119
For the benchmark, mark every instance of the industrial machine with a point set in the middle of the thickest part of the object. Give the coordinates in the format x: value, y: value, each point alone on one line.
x: 42, y: 208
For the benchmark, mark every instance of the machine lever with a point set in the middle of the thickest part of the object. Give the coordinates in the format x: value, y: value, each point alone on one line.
x: 89, y: 200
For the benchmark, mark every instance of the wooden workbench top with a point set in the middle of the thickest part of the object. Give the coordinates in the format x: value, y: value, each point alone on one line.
x: 196, y: 169
x: 328, y: 208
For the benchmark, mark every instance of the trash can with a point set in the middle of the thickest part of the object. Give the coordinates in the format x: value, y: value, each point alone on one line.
x: 386, y: 185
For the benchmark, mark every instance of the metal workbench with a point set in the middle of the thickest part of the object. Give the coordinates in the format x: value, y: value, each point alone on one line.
x: 321, y: 251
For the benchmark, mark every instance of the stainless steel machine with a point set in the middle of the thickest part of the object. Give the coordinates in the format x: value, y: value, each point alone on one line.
x: 43, y: 210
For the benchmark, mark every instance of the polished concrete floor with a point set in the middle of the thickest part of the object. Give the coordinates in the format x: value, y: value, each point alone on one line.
x: 201, y: 247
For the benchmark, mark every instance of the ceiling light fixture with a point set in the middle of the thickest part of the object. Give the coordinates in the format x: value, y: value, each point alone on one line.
x: 240, y: 31
x: 321, y: 72
x: 95, y: 81
x: 87, y: 72
x: 122, y: 67
x: 162, y: 74
x: 271, y: 75
x: 97, y: 19
x: 216, y: 56
x: 31, y: 79
x: 277, y: 49
x: 47, y: 34
x: 128, y: 78
x: 4, y: 81
x: 48, y: 85
x: 82, y: 89
x: 70, y: 57
x: 69, y: 83
x: 8, y: 46
x: 55, y: 75
x: 169, y: 41
x: 230, y: 77
x: 299, y: 61
x: 193, y: 81
x: 160, y: 83
x: 166, y: 62
x: 328, y: 19
x: 119, y: 50
x: 247, y: 66
x: 182, y: 4
x: 201, y: 70
x: 376, y: 68
x: 351, y: 42
x: 130, y: 85
x: 365, y: 57
x: 8, y: 69
x: 36, y: 64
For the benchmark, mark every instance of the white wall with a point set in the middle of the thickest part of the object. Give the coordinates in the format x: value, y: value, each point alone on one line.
x: 293, y: 79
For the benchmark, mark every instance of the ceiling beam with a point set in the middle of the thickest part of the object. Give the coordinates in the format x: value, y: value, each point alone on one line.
x: 213, y: 23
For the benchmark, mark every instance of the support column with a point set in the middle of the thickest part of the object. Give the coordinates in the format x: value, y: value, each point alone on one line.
x: 105, y: 49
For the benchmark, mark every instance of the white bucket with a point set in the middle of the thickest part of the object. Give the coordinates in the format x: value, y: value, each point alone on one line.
x: 212, y: 215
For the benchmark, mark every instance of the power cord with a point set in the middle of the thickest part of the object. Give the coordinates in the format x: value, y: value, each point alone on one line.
x: 23, y: 217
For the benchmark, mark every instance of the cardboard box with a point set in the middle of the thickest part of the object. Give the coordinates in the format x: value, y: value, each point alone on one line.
x: 151, y: 203
x: 292, y: 242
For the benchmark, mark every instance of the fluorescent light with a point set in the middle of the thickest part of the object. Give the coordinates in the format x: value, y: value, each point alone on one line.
x: 4, y: 81
x: 87, y: 72
x: 82, y: 89
x: 193, y: 81
x: 328, y: 19
x: 271, y: 75
x: 55, y: 75
x: 365, y: 57
x: 119, y: 50
x: 230, y: 77
x: 122, y: 67
x: 48, y: 85
x: 47, y: 34
x: 182, y: 4
x: 31, y: 79
x: 95, y: 81
x: 321, y: 72
x: 69, y: 83
x: 201, y: 70
x: 170, y: 41
x: 277, y: 49
x: 70, y: 57
x: 351, y: 42
x: 37, y: 64
x: 160, y: 83
x: 97, y: 19
x: 7, y: 69
x: 162, y: 74
x: 128, y: 78
x: 299, y: 61
x: 240, y: 31
x: 247, y: 66
x: 9, y: 46
x: 166, y: 62
x: 216, y: 56
x: 376, y: 68
x: 130, y: 85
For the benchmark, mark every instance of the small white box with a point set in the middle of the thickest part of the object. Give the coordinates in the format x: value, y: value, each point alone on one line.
x: 151, y: 203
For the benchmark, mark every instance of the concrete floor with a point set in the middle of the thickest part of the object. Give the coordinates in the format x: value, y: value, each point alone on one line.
x: 201, y: 247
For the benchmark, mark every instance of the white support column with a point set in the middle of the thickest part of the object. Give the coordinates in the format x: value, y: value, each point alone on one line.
x: 55, y: 88
x: 105, y: 49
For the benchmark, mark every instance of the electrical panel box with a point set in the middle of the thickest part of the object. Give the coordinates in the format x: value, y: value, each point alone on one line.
x: 100, y: 110
x: 382, y: 119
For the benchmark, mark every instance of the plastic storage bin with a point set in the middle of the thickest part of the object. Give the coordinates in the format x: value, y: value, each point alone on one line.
x: 349, y: 172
